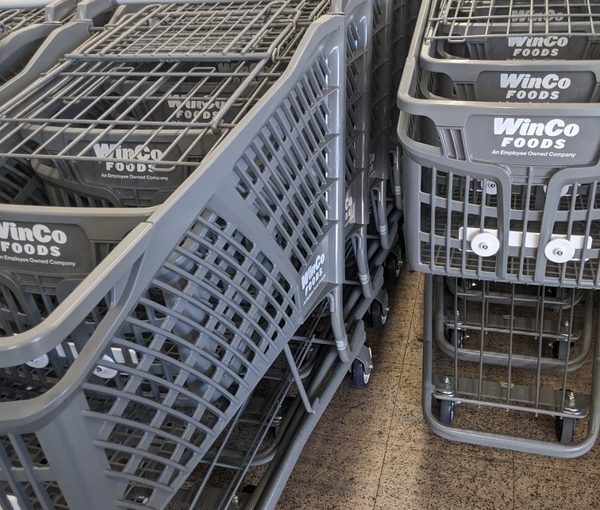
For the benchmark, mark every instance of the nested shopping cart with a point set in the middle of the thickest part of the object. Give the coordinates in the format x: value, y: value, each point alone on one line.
x: 194, y: 305
x: 504, y: 194
x: 505, y: 60
x: 499, y: 191
x: 100, y: 118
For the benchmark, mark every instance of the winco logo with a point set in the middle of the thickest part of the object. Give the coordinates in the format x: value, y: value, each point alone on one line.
x: 520, y: 132
x: 35, y: 240
x: 108, y: 150
x: 526, y: 16
x: 525, y: 86
x: 196, y: 109
x: 313, y: 275
x: 537, y: 46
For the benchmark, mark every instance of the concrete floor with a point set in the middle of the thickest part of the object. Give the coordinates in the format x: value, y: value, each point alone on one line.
x: 372, y: 449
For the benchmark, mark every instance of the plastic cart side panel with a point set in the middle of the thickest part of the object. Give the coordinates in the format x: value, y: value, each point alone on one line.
x: 228, y: 253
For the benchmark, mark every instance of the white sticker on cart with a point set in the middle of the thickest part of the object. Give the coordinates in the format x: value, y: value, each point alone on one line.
x: 530, y: 141
x: 313, y: 276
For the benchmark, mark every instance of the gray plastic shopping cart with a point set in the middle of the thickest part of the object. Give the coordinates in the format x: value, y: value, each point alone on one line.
x: 500, y: 191
x: 144, y: 363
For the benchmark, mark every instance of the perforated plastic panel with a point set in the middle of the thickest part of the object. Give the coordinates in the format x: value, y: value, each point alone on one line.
x: 212, y: 288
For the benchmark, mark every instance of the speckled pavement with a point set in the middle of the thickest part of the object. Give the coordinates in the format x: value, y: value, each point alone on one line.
x: 372, y: 449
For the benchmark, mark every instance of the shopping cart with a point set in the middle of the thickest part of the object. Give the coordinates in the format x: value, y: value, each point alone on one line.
x: 96, y: 105
x: 196, y: 303
x: 508, y: 60
x: 484, y: 198
x: 494, y: 193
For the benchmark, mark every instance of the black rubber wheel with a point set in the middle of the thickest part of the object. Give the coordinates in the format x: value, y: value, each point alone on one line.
x: 393, y: 267
x: 460, y: 337
x: 447, y: 408
x: 379, y: 316
x: 360, y: 379
x: 565, y: 429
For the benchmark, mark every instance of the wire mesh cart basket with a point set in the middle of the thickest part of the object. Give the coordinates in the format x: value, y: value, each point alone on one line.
x: 144, y: 364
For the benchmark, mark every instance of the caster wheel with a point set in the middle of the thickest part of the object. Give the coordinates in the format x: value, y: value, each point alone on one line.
x: 565, y: 429
x: 447, y: 408
x: 393, y: 267
x: 460, y: 337
x: 379, y: 315
x: 360, y: 378
x: 559, y: 350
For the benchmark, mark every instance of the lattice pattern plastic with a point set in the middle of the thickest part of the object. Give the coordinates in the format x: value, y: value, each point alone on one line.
x: 447, y: 208
x: 179, y: 359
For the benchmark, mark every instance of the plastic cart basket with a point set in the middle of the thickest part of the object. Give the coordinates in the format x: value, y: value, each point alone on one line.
x: 499, y: 191
x: 23, y: 30
x: 560, y: 401
x: 483, y: 71
x: 529, y: 327
x: 242, y: 252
